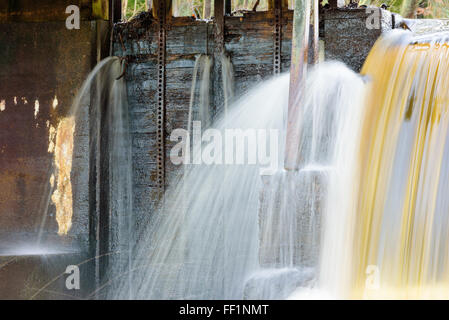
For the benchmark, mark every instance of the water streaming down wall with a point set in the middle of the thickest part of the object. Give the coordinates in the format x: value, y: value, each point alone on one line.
x: 202, y: 68
x: 386, y: 222
x: 98, y: 88
x: 103, y: 94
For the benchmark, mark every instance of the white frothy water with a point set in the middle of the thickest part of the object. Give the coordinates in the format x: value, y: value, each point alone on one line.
x: 333, y: 119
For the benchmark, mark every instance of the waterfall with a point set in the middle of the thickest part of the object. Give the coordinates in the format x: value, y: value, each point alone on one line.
x: 291, y: 201
x: 205, y: 112
x: 365, y: 216
x: 386, y: 231
x: 203, y: 64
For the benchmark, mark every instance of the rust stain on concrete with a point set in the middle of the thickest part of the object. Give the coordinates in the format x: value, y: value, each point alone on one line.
x: 62, y: 196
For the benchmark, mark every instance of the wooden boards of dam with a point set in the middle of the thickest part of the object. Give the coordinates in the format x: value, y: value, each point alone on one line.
x: 248, y: 42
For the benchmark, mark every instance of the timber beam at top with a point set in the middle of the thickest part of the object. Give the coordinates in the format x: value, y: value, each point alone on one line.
x: 115, y: 10
x: 219, y: 16
x: 167, y: 8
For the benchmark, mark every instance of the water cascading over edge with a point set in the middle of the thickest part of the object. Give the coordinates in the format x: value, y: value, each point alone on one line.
x: 102, y: 100
x: 390, y: 240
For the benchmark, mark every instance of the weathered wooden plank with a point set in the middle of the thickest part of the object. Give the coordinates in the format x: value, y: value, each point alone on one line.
x: 249, y: 43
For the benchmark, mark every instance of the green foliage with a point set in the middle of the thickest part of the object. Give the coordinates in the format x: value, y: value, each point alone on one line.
x: 438, y: 9
x: 133, y: 7
x: 422, y: 8
x: 394, y: 5
x: 186, y: 7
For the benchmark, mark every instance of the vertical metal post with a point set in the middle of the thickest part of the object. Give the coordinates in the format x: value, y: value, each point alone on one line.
x: 300, y: 41
x: 277, y: 62
x: 115, y: 10
x: 161, y: 78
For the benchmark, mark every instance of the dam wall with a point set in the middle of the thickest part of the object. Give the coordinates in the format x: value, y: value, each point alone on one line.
x: 42, y: 66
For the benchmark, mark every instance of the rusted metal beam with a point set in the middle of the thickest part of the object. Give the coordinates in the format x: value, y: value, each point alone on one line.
x: 300, y: 41
x: 167, y: 9
x: 272, y: 4
x: 277, y: 13
x: 161, y: 10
